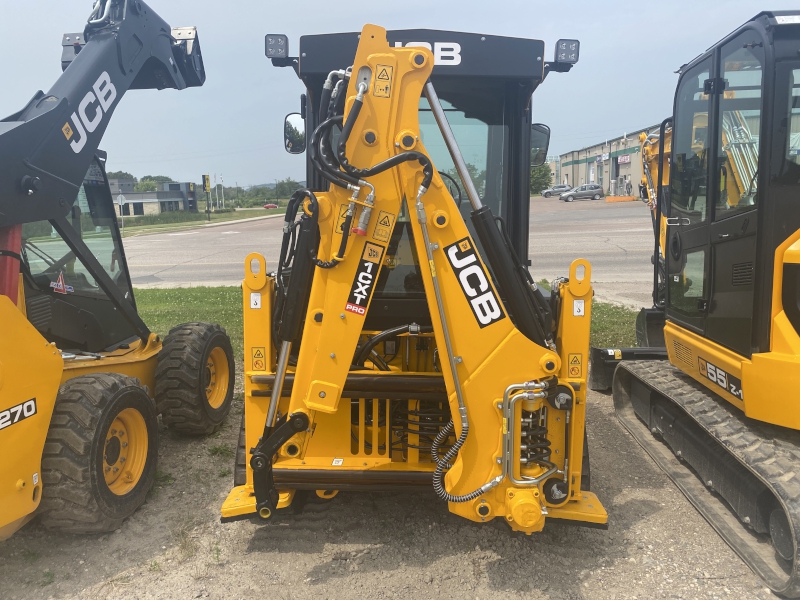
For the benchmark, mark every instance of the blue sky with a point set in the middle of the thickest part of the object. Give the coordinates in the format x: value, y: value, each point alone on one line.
x: 233, y: 125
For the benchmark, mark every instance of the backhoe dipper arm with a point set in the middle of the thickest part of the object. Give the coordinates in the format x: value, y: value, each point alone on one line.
x: 46, y: 148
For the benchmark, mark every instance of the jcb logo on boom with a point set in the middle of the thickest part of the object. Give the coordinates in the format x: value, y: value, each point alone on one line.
x: 99, y: 101
x: 474, y: 282
x: 445, y: 54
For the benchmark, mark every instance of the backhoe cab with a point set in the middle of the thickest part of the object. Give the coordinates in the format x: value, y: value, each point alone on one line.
x: 82, y: 377
x: 402, y: 343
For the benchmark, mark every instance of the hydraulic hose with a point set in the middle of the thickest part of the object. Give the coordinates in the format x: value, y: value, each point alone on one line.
x: 366, y: 349
x: 341, y: 155
x: 444, y: 462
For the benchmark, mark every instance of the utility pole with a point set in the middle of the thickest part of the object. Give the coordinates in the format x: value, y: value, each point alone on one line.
x: 216, y: 193
x: 207, y: 190
x: 223, y: 189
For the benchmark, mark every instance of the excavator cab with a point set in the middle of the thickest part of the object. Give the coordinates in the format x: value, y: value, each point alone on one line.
x: 724, y: 402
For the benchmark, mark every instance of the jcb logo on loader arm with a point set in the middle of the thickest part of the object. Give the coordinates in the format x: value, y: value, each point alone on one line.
x: 474, y: 282
x: 104, y: 95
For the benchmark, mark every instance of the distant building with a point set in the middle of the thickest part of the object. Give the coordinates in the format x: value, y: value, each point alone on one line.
x: 173, y: 196
x: 611, y: 164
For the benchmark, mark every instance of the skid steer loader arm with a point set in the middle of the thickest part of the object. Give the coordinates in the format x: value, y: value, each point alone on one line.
x: 46, y: 147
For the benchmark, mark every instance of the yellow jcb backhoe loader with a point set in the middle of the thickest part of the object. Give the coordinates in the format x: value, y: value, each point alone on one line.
x: 725, y: 404
x: 385, y: 354
x: 82, y: 378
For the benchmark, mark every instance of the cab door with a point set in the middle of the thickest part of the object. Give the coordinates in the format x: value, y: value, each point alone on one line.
x: 735, y: 208
x: 688, y: 206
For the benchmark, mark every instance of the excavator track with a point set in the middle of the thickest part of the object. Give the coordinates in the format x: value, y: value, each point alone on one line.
x: 744, y: 477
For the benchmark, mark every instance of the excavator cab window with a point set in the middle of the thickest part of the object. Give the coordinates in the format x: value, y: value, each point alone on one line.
x: 63, y: 300
x: 738, y: 128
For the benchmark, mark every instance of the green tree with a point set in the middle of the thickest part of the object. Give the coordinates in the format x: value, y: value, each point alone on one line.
x: 158, y: 178
x: 120, y: 175
x: 478, y: 179
x: 146, y: 185
x: 287, y: 187
x: 540, y: 179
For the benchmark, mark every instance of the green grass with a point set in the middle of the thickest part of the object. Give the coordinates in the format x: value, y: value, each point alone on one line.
x: 221, y: 451
x: 164, y: 309
x: 612, y: 326
x: 133, y: 228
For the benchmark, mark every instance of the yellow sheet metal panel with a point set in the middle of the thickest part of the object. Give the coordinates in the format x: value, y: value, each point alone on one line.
x: 30, y: 373
x: 137, y: 361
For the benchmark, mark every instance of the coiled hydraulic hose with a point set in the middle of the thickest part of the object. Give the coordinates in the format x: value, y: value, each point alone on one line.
x: 444, y: 463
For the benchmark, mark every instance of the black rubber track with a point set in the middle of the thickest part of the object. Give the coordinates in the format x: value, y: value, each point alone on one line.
x: 180, y: 379
x: 75, y: 497
x: 770, y: 453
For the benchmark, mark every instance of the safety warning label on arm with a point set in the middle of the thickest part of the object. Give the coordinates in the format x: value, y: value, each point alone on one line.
x: 383, y: 226
x: 383, y: 81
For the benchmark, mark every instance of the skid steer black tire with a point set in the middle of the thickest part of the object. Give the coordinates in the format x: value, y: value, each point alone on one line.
x: 240, y: 469
x: 184, y: 373
x: 76, y: 497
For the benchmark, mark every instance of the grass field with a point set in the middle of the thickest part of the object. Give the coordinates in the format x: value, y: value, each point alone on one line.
x: 612, y: 326
x: 132, y: 229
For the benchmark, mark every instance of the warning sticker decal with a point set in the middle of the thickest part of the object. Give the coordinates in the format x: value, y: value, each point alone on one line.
x: 341, y: 219
x: 383, y: 227
x: 60, y: 287
x: 383, y: 81
x: 364, y: 281
x: 259, y: 359
x: 575, y: 365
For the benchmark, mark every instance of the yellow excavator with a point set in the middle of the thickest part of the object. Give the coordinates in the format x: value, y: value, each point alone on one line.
x: 82, y: 378
x: 720, y: 416
x: 402, y: 344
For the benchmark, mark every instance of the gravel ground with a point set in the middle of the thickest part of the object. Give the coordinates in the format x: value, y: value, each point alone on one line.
x: 384, y: 545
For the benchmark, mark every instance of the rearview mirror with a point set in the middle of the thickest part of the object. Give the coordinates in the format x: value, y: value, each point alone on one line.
x: 540, y: 142
x: 294, y: 134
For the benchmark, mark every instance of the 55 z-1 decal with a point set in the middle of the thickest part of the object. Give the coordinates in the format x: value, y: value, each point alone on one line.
x: 474, y: 282
x: 729, y: 383
x: 15, y: 414
x: 364, y: 281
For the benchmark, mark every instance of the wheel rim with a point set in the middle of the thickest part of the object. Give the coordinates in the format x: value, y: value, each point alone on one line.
x: 125, y: 451
x: 217, y: 377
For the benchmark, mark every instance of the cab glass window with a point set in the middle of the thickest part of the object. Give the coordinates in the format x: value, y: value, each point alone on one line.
x: 689, y: 178
x: 788, y: 76
x: 739, y: 125
x: 64, y: 302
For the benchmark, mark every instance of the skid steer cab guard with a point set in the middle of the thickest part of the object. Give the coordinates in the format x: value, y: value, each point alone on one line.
x: 385, y: 353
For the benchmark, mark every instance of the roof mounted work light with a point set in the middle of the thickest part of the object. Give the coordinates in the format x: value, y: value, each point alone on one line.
x: 567, y: 51
x: 277, y: 46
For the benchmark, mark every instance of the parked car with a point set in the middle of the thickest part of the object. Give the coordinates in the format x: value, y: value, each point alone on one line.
x: 590, y: 190
x: 270, y: 205
x: 556, y: 190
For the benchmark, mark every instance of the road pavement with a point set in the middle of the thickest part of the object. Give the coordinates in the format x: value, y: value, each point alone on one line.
x: 616, y: 238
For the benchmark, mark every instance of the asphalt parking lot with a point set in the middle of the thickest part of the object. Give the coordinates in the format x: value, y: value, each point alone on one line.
x: 616, y: 238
